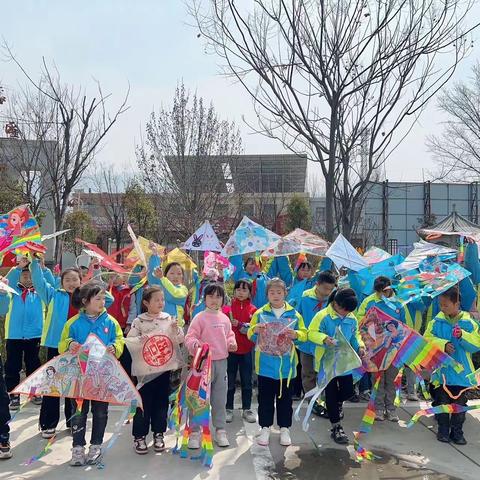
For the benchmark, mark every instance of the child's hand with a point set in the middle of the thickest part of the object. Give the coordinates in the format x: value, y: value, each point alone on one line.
x: 153, y: 248
x: 361, y: 352
x: 260, y: 327
x: 457, y: 331
x: 56, y: 269
x: 232, y: 347
x: 234, y: 322
x: 111, y: 349
x: 23, y: 263
x: 292, y: 334
x: 158, y: 272
x: 74, y: 348
x: 449, y: 348
x: 330, y: 341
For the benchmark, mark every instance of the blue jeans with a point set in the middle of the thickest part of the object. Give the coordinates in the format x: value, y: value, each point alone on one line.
x: 242, y: 362
x: 4, y: 410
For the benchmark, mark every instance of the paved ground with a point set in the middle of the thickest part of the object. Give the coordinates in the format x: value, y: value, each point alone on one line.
x: 406, y: 454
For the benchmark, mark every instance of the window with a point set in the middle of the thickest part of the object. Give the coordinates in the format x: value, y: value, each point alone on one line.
x: 393, y: 246
x: 319, y: 215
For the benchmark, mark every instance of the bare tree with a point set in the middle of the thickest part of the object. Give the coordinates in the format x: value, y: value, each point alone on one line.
x: 78, y: 127
x: 457, y: 149
x: 341, y: 80
x: 184, y: 162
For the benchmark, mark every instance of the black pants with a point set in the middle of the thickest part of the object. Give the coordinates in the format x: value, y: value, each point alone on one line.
x: 269, y: 398
x: 4, y: 411
x: 449, y: 424
x: 50, y: 409
x: 243, y: 363
x: 19, y: 351
x: 155, y: 407
x: 126, y: 361
x: 337, y: 391
x: 99, y: 422
x: 297, y: 386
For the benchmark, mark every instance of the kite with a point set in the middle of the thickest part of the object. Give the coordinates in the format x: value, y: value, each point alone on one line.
x: 19, y: 232
x: 423, y: 250
x: 389, y: 342
x: 91, y: 374
x: 342, y: 253
x: 203, y: 239
x: 249, y: 237
x: 192, y: 407
x: 54, y: 235
x: 212, y: 261
x: 6, y: 288
x: 298, y: 241
x: 337, y: 360
x: 176, y: 255
x: 143, y: 245
x: 138, y: 248
x: 105, y: 260
x: 375, y: 255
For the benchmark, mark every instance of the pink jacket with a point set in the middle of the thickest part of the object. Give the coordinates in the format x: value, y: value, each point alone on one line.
x: 214, y: 329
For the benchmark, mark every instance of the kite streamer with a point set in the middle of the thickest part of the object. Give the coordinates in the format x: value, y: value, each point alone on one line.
x: 451, y: 408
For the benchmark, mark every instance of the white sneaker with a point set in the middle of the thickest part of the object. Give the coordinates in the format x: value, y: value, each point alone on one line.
x: 285, y: 439
x: 78, y: 457
x: 221, y: 438
x: 194, y: 440
x: 263, y: 437
x: 94, y: 454
x: 249, y: 416
x: 229, y: 416
x: 48, y: 433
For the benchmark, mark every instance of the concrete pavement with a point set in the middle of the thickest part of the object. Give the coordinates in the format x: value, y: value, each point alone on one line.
x: 405, y: 453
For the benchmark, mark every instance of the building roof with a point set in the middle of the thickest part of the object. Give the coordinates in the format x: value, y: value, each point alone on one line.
x: 452, y: 224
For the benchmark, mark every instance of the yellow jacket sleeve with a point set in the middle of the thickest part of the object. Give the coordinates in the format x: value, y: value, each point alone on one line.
x: 314, y: 333
x: 65, y: 339
x: 362, y: 309
x: 251, y: 334
x: 302, y: 333
x: 439, y: 342
x: 119, y: 342
x: 358, y: 337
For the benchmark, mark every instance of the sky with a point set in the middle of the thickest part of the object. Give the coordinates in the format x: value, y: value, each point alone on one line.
x: 150, y: 46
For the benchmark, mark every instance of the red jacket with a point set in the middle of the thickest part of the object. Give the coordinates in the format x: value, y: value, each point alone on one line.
x: 121, y: 304
x: 243, y: 312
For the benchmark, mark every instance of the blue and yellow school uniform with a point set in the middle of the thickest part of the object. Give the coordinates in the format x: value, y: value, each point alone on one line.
x: 24, y: 312
x: 440, y: 332
x: 58, y: 303
x: 175, y: 295
x: 80, y: 326
x: 325, y: 323
x: 275, y: 366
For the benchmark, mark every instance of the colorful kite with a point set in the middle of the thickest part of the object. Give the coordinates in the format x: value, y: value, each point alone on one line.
x: 375, y: 255
x: 203, y: 239
x: 298, y: 241
x: 19, y: 232
x: 337, y: 360
x: 192, y: 407
x: 423, y: 250
x: 91, y: 374
x: 214, y: 261
x: 105, y: 259
x: 342, y: 253
x: 249, y: 237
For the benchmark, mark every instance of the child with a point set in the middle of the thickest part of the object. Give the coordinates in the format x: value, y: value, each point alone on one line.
x: 275, y: 371
x: 5, y: 450
x: 321, y: 331
x: 59, y: 310
x: 89, y: 300
x: 24, y: 314
x: 171, y: 280
x: 213, y: 327
x: 240, y: 314
x: 155, y: 393
x: 384, y: 299
x: 458, y: 334
x: 313, y: 301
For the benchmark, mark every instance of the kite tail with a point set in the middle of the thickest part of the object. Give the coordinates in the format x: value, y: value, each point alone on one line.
x: 186, y: 435
x: 451, y: 408
x: 207, y: 444
x: 29, y: 398
x: 398, y: 387
x: 368, y: 420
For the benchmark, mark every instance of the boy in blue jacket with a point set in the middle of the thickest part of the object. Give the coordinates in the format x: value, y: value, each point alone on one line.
x: 454, y: 331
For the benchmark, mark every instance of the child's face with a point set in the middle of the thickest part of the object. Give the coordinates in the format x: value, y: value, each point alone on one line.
x: 448, y: 307
x: 96, y: 304
x: 26, y: 278
x: 175, y: 275
x: 387, y: 292
x: 340, y: 310
x: 324, y: 290
x: 118, y: 280
x: 250, y: 267
x: 213, y: 301
x: 304, y: 273
x: 71, y: 281
x: 276, y: 296
x: 156, y: 303
x: 242, y: 292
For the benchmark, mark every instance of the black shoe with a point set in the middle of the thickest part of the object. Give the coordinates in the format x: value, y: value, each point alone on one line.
x: 14, y: 402
x: 354, y: 399
x: 442, y: 437
x: 458, y: 439
x: 339, y: 435
x: 320, y: 411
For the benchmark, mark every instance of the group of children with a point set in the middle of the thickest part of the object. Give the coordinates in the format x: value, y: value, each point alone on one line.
x: 311, y: 310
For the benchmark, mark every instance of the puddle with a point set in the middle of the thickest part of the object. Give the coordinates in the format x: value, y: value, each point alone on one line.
x: 332, y: 464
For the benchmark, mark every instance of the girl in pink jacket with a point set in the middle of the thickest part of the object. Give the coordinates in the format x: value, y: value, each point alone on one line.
x: 212, y: 327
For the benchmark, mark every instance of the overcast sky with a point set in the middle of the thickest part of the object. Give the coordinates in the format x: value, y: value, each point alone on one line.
x: 149, y: 45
